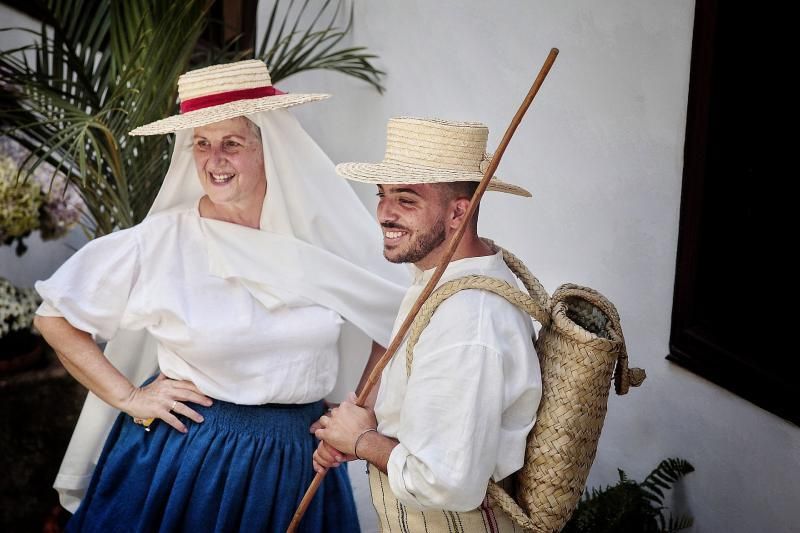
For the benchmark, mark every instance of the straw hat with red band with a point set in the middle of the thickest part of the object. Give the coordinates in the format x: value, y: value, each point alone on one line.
x: 220, y: 92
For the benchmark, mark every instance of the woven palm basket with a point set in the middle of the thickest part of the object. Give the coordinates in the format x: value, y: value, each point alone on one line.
x: 580, y: 349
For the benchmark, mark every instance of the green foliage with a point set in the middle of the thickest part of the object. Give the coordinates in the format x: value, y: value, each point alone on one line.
x: 631, y: 507
x: 100, y: 68
x: 289, y: 46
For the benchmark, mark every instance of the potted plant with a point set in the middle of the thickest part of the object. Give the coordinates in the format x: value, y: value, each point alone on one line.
x: 20, y: 347
x: 632, y: 507
x: 41, y: 202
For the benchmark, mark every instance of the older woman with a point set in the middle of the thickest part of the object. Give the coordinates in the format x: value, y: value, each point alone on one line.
x: 233, y: 292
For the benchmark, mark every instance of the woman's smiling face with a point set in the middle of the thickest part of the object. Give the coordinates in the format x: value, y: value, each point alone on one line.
x: 230, y: 161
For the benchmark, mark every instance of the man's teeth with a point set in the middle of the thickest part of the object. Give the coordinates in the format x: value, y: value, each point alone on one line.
x: 221, y: 177
x: 393, y: 234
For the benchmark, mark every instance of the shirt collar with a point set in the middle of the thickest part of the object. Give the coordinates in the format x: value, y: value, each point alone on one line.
x: 456, y: 269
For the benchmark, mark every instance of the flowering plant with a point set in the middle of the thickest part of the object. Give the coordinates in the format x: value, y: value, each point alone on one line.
x: 20, y: 346
x: 17, y: 307
x: 39, y: 202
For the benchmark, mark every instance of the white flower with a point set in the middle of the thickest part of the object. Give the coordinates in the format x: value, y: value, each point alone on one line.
x: 17, y: 307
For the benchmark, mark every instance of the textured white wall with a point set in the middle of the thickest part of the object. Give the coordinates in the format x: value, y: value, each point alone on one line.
x: 602, y: 151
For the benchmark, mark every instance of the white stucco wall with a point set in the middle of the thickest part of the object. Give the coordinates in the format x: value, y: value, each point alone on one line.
x: 602, y: 151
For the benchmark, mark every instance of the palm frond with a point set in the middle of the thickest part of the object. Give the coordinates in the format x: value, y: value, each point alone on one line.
x: 664, y: 476
x: 289, y: 46
x: 673, y: 524
x: 632, y: 507
x: 99, y: 68
x: 72, y: 96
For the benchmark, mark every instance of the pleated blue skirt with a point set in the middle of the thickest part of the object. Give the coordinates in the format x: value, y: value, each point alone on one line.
x: 245, y: 468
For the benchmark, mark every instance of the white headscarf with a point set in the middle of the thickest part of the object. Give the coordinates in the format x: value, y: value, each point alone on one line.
x: 317, y: 243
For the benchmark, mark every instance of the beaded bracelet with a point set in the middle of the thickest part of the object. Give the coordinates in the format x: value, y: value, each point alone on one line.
x: 355, y: 446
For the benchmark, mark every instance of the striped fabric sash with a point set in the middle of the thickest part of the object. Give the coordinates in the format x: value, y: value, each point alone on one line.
x: 394, y: 517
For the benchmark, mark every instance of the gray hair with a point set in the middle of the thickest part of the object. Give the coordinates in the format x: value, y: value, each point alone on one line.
x: 253, y: 127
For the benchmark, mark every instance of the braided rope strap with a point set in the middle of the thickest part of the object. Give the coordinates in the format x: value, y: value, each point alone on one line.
x: 580, y: 345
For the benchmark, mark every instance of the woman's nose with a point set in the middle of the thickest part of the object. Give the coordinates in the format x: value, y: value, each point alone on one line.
x: 217, y: 155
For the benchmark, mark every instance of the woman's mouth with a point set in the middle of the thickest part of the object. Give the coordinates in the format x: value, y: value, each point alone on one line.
x: 221, y: 179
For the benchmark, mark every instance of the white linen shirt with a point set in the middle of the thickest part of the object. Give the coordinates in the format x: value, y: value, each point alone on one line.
x: 210, y: 330
x: 464, y: 413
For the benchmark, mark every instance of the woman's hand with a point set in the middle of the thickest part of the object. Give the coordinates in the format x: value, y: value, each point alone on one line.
x: 329, y: 406
x: 82, y: 358
x: 162, y: 397
x: 326, y: 457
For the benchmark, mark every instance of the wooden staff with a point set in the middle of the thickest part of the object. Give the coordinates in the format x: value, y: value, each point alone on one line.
x: 437, y: 274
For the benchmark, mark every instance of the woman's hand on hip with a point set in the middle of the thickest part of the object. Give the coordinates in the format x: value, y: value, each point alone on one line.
x: 165, y: 398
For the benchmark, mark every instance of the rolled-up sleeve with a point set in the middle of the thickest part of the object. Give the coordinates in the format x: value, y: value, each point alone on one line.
x: 91, y: 289
x: 449, y: 429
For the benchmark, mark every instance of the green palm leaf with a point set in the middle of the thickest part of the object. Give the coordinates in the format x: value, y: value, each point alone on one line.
x: 72, y: 97
x: 289, y: 46
x: 631, y: 507
x: 100, y: 68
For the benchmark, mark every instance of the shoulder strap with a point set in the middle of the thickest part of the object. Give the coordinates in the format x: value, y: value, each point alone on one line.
x: 539, y: 305
x: 536, y: 302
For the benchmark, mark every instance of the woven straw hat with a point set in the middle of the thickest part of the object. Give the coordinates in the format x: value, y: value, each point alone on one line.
x: 420, y: 150
x: 220, y: 92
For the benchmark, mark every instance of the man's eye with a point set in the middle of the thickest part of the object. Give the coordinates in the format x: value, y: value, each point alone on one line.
x: 406, y: 201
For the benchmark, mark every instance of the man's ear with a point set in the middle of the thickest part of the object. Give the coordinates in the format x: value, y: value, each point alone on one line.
x: 460, y: 206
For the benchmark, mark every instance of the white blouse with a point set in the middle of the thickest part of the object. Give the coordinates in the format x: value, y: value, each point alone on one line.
x: 210, y: 330
x: 464, y: 413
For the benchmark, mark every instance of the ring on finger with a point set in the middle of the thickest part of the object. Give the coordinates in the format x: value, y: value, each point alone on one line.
x: 174, y: 403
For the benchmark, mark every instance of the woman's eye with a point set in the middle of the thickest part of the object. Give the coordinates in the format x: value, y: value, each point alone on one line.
x: 232, y: 144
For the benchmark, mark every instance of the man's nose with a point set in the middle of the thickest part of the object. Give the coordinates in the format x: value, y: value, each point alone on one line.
x: 385, y: 212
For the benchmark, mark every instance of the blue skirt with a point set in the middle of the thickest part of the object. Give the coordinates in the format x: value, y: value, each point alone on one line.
x: 245, y: 468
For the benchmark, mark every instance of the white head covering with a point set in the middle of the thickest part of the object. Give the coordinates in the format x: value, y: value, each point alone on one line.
x: 317, y: 241
x: 317, y: 244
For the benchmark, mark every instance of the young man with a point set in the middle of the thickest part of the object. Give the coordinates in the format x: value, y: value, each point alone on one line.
x: 437, y: 435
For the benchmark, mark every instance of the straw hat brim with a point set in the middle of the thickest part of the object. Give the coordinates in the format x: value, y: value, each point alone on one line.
x: 209, y: 115
x: 394, y: 173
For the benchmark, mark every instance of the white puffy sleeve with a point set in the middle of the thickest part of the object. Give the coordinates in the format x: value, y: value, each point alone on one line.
x: 93, y: 288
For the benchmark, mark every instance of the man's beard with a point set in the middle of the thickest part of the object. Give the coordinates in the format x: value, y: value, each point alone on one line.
x: 422, y: 245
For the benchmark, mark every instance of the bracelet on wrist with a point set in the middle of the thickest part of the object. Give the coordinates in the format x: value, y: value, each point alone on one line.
x: 355, y: 446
